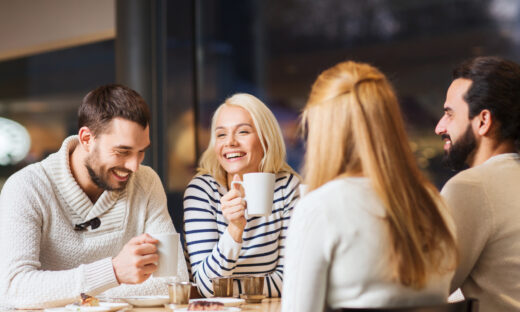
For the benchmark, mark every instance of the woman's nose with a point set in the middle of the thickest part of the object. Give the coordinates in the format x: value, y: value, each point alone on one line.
x: 231, y: 141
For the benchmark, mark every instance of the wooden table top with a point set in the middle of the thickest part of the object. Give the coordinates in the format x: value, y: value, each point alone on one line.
x: 267, y: 305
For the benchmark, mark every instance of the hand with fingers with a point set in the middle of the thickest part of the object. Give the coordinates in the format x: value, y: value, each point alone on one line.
x: 233, y: 209
x: 137, y: 260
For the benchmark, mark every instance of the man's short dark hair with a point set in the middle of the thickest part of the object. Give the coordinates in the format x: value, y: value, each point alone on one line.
x: 495, y: 87
x: 107, y: 102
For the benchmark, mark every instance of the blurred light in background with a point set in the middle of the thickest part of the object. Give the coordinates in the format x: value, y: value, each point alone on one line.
x: 15, y: 142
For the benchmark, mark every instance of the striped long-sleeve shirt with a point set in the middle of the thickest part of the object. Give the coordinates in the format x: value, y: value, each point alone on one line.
x: 212, y: 251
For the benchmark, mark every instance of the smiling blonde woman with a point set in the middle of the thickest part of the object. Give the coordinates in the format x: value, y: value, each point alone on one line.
x: 220, y: 241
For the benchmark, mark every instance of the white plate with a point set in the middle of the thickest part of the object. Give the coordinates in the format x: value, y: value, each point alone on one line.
x: 227, y: 301
x: 225, y: 309
x: 114, y: 306
x: 146, y: 301
x: 75, y: 307
x: 103, y: 307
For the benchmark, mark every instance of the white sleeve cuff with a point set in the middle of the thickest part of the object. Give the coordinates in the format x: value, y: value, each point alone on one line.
x: 99, y: 276
x: 228, y: 247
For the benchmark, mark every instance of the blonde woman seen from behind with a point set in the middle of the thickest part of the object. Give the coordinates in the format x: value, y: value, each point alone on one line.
x: 372, y: 232
x: 220, y: 241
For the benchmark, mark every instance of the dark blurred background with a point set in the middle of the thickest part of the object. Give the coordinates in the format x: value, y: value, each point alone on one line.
x: 204, y: 51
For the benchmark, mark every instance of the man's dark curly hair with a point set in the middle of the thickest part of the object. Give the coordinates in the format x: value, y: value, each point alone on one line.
x: 495, y: 87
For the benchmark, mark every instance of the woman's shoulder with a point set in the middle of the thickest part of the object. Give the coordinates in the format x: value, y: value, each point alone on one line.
x: 204, y: 182
x: 350, y: 185
x: 287, y: 179
x: 340, y: 192
x: 204, y: 179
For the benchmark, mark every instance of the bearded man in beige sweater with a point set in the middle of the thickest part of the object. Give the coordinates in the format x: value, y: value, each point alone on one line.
x: 481, y: 128
x: 77, y: 222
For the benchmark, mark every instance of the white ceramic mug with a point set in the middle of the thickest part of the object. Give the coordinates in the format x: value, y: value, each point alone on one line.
x: 259, y: 189
x: 167, y: 249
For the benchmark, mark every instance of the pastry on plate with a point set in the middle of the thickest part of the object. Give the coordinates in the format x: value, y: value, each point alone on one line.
x: 88, y: 301
x: 201, y: 305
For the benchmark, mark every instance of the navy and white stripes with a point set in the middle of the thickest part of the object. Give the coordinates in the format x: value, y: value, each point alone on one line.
x: 211, y: 250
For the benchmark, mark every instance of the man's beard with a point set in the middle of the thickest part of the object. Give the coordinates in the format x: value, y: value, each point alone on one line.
x: 455, y: 158
x: 101, y: 180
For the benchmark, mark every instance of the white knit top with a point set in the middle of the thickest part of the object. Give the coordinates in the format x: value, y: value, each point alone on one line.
x: 337, y: 253
x: 45, y: 262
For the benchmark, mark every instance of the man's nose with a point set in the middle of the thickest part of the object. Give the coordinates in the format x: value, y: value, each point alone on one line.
x: 133, y: 163
x: 441, y: 127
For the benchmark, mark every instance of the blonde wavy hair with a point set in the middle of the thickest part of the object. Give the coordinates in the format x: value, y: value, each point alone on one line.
x: 354, y: 128
x: 269, y: 134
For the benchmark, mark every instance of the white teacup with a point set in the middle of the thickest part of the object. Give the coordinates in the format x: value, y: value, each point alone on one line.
x: 259, y: 189
x: 167, y: 249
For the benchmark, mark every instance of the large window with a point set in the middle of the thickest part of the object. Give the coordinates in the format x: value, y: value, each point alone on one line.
x: 42, y: 93
x: 275, y: 49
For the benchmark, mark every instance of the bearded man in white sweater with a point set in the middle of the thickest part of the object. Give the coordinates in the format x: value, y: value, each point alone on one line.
x: 76, y: 222
x: 481, y: 128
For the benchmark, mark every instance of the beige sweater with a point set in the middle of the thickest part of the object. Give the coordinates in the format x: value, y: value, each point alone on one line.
x: 46, y: 263
x: 485, y: 201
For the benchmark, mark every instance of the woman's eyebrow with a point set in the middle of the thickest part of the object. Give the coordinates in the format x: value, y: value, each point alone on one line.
x: 239, y: 125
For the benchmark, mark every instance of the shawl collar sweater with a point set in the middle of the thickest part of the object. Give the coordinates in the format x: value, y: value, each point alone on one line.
x: 46, y: 262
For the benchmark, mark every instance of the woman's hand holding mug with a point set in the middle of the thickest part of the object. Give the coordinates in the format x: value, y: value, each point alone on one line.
x: 233, y: 208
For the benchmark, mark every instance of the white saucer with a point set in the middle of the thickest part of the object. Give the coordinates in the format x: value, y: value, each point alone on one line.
x: 114, y: 306
x: 146, y: 301
x: 75, y: 307
x: 103, y: 307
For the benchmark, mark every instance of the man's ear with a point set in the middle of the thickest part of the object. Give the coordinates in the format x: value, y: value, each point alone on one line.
x: 484, y: 122
x: 86, y: 138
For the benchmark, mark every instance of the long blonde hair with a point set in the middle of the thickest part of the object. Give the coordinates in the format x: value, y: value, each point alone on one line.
x: 354, y: 128
x: 269, y: 134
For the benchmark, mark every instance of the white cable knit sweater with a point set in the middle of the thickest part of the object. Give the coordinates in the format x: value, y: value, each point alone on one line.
x: 46, y: 263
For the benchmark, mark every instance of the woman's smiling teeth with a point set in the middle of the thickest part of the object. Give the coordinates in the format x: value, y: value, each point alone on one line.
x: 234, y: 155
